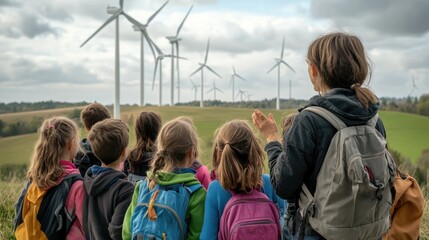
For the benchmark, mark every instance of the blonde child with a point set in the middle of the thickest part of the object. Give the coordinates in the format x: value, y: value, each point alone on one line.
x: 53, y: 182
x: 108, y: 192
x: 239, y: 158
x: 170, y: 172
x: 147, y: 126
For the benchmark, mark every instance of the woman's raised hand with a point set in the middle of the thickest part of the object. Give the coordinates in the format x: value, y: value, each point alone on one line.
x: 266, y: 125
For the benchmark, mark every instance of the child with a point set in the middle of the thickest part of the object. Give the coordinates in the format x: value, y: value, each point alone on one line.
x: 287, y: 122
x: 177, y: 146
x: 203, y: 174
x: 53, y: 181
x: 240, y: 161
x: 108, y: 193
x: 90, y: 115
x: 337, y: 67
x: 147, y: 126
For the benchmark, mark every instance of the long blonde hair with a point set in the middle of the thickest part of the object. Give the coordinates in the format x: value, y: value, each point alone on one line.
x: 176, y: 138
x: 54, y: 135
x: 239, y: 156
x: 342, y: 62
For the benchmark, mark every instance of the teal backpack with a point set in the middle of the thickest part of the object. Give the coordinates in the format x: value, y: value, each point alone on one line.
x: 160, y: 213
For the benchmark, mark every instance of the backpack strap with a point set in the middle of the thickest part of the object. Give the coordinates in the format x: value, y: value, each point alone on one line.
x: 373, y: 121
x: 329, y: 116
x: 193, y: 188
x: 19, y: 206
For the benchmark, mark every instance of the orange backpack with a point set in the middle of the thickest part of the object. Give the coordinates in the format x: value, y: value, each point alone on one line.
x: 42, y: 214
x: 407, y: 210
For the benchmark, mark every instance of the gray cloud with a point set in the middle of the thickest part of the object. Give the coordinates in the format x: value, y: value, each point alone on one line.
x: 8, y: 3
x: 393, y: 17
x: 26, y: 24
x: 24, y: 72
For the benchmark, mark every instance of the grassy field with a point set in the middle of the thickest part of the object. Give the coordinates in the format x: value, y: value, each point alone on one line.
x: 407, y: 133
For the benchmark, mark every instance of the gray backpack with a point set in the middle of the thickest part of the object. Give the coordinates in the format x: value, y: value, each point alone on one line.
x: 353, y: 190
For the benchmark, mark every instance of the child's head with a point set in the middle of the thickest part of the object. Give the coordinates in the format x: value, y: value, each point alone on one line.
x: 58, y: 138
x: 340, y: 61
x: 287, y: 122
x: 92, y: 114
x: 147, y: 126
x: 239, y: 156
x: 177, y: 144
x: 109, y: 140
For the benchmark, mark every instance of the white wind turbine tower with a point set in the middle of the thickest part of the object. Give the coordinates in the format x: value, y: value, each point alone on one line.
x: 278, y: 62
x: 201, y: 68
x: 159, y: 59
x: 195, y: 88
x: 214, y: 89
x: 144, y: 35
x: 414, y: 85
x: 241, y: 93
x: 174, y: 40
x: 235, y: 74
x: 116, y: 12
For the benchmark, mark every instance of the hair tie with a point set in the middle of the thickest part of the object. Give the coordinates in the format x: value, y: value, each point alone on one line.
x: 354, y: 86
x: 51, y: 126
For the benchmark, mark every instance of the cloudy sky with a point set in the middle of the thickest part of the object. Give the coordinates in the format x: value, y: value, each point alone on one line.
x: 40, y: 57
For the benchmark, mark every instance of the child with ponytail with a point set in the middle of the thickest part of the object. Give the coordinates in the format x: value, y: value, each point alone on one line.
x: 171, y: 171
x: 50, y: 207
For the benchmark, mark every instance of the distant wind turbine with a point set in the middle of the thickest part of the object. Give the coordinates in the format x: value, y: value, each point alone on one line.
x: 233, y: 82
x: 248, y: 97
x: 414, y: 85
x: 159, y: 59
x: 144, y: 35
x: 201, y: 68
x: 278, y: 62
x: 214, y: 89
x: 195, y: 88
x: 116, y: 12
x: 241, y: 93
x: 174, y: 40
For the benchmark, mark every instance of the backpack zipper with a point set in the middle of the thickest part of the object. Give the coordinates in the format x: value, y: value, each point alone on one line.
x: 170, y: 210
x: 250, y: 200
x: 257, y: 222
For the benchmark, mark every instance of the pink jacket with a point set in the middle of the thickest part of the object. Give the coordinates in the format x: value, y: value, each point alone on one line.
x: 203, y: 175
x: 74, y: 201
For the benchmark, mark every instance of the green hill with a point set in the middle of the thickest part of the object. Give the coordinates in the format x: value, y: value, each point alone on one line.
x: 406, y: 133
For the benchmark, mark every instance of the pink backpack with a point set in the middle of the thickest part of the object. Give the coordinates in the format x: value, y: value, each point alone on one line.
x: 250, y: 216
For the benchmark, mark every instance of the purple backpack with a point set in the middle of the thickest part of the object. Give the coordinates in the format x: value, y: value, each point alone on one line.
x: 250, y: 216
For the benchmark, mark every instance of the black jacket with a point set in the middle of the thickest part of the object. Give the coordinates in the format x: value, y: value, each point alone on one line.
x: 305, y: 145
x: 85, y: 158
x: 108, y: 195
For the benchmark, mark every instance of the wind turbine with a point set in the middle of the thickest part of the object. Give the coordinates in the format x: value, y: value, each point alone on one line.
x: 174, y: 40
x: 414, y: 85
x: 142, y: 28
x: 214, y: 89
x: 248, y: 97
x: 278, y: 62
x: 235, y: 74
x: 159, y: 59
x: 201, y: 68
x: 241, y: 93
x: 195, y: 88
x: 116, y: 12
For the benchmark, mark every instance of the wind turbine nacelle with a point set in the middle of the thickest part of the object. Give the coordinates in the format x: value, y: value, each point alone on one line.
x: 112, y: 10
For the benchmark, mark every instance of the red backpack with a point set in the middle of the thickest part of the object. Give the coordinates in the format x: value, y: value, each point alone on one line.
x: 250, y: 216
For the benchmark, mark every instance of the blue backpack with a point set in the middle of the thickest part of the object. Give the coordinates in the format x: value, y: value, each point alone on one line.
x: 160, y: 213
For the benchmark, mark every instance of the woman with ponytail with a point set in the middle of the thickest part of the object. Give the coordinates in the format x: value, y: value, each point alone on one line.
x: 338, y: 68
x: 239, y: 158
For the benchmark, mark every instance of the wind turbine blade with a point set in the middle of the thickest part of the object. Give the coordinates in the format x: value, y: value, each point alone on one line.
x: 209, y: 68
x: 288, y: 65
x: 150, y: 42
x: 238, y: 93
x: 207, y: 51
x: 154, y: 73
x: 121, y: 3
x: 197, y: 70
x: 210, y: 90
x: 219, y: 90
x: 155, y: 13
x: 109, y: 20
x: 193, y: 84
x: 177, y: 62
x: 275, y: 65
x: 132, y: 20
x: 283, y: 49
x: 240, y: 77
x: 183, y: 21
x: 233, y: 69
